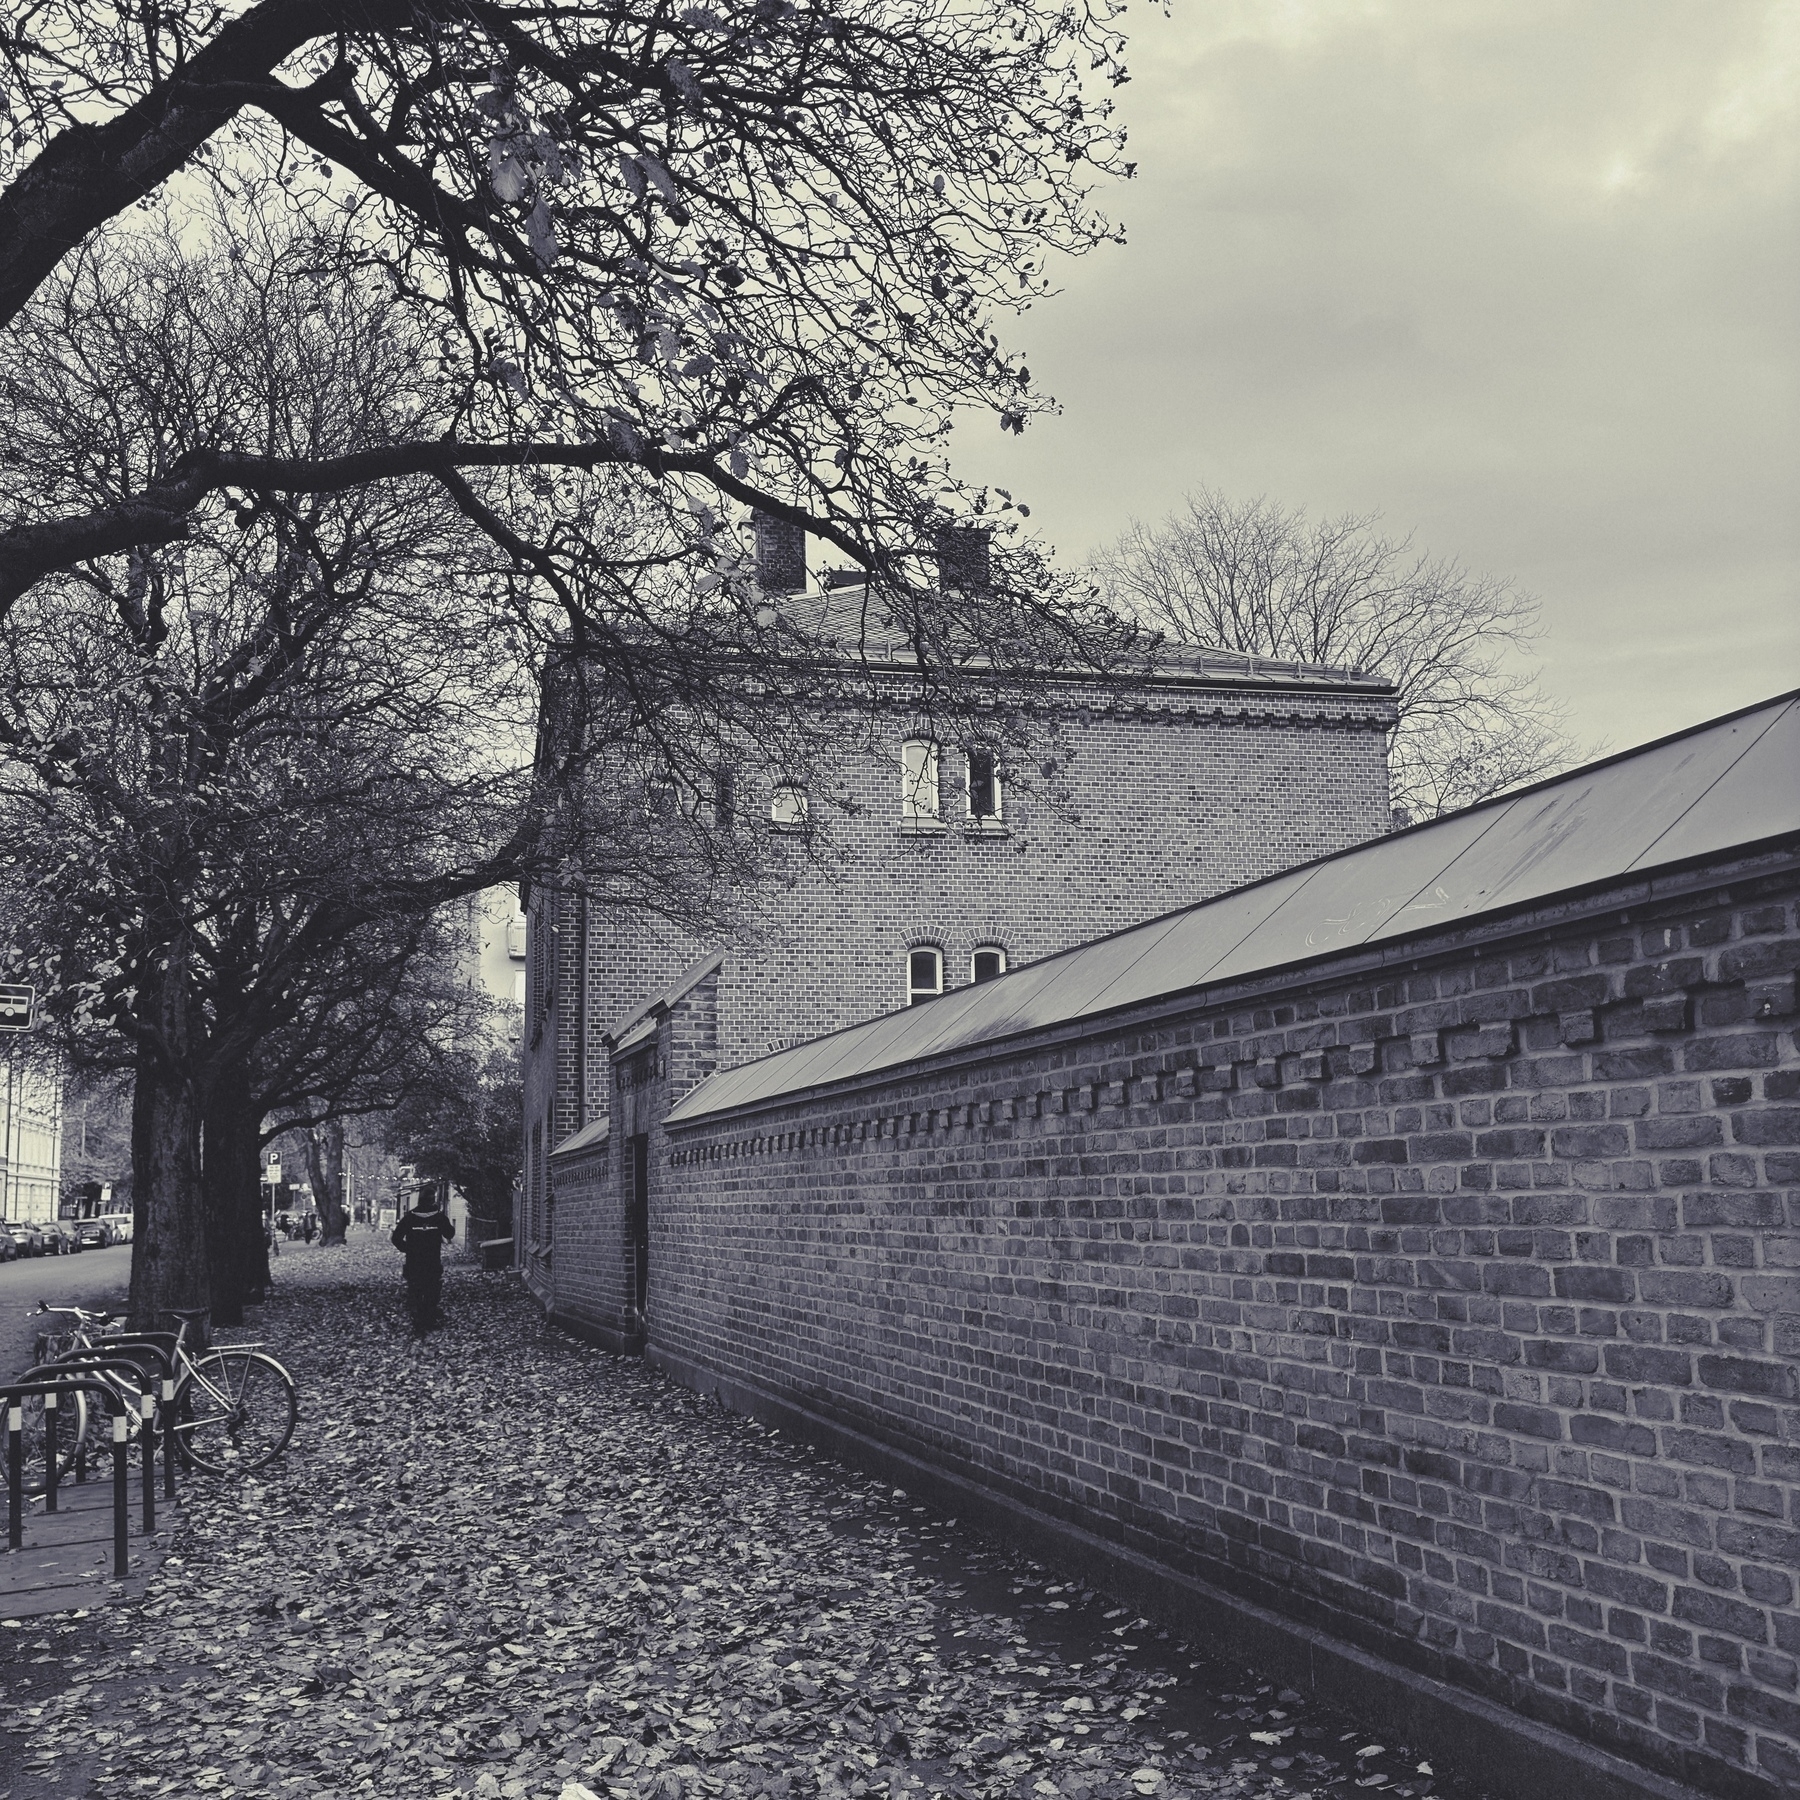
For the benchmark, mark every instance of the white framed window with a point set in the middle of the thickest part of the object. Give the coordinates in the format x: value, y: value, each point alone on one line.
x: 518, y: 988
x: 924, y: 973
x: 919, y: 780
x: 988, y: 962
x: 787, y: 806
x: 985, y: 787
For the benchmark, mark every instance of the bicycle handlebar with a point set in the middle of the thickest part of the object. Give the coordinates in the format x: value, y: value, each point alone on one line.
x: 78, y: 1313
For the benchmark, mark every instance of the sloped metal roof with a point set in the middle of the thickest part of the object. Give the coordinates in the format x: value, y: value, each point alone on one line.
x: 1717, y: 788
x: 591, y: 1135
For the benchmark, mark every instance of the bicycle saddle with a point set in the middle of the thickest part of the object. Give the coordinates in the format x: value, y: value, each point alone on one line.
x: 191, y: 1314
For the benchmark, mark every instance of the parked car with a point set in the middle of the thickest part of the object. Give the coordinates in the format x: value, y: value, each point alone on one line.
x: 95, y: 1234
x: 8, y: 1249
x: 28, y: 1239
x: 60, y: 1238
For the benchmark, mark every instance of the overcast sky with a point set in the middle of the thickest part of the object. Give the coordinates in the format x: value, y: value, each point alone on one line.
x: 1521, y: 275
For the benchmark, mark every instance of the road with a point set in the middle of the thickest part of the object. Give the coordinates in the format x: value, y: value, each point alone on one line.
x: 94, y: 1278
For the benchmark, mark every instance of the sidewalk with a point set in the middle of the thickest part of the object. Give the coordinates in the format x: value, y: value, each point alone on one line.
x: 508, y: 1565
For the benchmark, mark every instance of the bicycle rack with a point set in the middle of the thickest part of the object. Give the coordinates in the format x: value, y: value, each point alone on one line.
x: 107, y: 1362
x: 118, y: 1407
x: 129, y: 1346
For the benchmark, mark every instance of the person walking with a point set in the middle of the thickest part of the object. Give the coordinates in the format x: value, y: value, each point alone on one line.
x: 421, y: 1235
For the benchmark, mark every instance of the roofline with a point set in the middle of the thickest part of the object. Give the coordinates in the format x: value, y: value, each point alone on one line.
x: 696, y: 972
x: 1771, y: 856
x: 1318, y: 862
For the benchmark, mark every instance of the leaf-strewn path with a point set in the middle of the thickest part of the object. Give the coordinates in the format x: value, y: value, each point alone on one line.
x: 504, y: 1564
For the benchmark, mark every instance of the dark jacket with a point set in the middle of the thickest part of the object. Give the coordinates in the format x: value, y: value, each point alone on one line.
x: 422, y: 1235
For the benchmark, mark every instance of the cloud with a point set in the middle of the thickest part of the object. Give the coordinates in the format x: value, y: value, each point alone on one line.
x: 1524, y: 277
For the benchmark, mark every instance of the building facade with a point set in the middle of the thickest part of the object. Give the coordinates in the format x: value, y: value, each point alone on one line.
x: 944, y: 872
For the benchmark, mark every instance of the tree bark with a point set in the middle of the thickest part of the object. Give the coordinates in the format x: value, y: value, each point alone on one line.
x: 238, y: 1256
x: 169, y: 1263
x: 325, y: 1168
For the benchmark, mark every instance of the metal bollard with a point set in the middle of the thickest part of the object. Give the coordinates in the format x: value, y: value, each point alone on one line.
x: 121, y: 1499
x: 52, y: 1417
x: 147, y: 1432
x: 168, y: 1419
x: 15, y: 1476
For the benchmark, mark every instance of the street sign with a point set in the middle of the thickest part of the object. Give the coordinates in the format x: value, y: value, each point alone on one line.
x: 15, y: 1007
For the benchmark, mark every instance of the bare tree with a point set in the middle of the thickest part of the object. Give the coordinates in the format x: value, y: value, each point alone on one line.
x: 1262, y: 580
x: 240, y: 772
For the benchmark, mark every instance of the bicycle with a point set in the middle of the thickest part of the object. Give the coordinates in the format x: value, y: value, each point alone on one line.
x: 234, y: 1405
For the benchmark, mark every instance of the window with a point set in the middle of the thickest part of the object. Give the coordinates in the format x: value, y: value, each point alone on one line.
x: 724, y: 798
x: 518, y: 988
x: 919, y: 779
x: 984, y: 787
x: 988, y: 961
x: 787, y: 806
x: 924, y: 974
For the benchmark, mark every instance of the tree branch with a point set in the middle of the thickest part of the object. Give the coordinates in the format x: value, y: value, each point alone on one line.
x: 88, y: 174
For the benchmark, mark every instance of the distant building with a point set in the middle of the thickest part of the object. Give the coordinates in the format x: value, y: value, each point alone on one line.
x: 1214, y: 771
x: 496, y: 928
x: 31, y: 1132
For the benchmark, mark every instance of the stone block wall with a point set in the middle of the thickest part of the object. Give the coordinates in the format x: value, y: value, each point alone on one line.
x: 1450, y: 1306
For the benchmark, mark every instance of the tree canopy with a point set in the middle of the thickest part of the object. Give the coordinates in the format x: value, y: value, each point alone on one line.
x: 745, y: 254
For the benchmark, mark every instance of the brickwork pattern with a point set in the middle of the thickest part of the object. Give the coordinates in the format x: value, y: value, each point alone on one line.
x: 1164, y: 807
x: 1173, y: 793
x: 1455, y: 1311
x: 586, y: 1281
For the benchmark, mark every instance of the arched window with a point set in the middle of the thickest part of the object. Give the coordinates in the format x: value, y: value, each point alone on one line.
x: 985, y: 797
x: 988, y: 962
x: 787, y: 806
x: 924, y: 974
x: 919, y: 779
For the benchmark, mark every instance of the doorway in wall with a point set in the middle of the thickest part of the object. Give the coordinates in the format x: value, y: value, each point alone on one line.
x: 637, y: 1222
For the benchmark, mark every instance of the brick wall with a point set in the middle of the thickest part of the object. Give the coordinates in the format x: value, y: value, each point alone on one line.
x: 1449, y: 1306
x: 586, y: 1276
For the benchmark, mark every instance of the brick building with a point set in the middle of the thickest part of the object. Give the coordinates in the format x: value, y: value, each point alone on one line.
x: 1391, y: 1269
x: 1213, y: 771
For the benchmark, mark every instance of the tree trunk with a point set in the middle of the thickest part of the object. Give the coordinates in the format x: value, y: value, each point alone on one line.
x: 169, y: 1264
x: 238, y: 1255
x: 325, y: 1168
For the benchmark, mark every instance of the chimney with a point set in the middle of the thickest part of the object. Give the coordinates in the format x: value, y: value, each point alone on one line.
x: 780, y: 555
x: 962, y: 557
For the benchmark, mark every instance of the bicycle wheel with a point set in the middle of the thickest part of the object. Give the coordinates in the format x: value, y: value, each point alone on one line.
x: 235, y: 1411
x: 71, y: 1425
